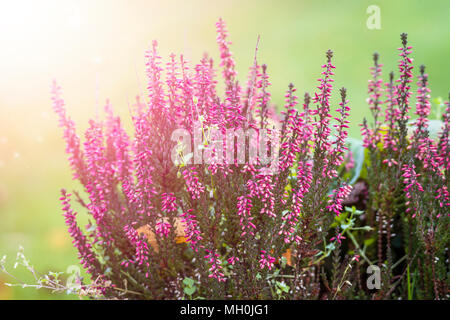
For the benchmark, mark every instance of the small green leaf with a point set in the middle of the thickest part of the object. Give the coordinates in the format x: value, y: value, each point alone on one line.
x: 189, y: 290
x: 188, y: 282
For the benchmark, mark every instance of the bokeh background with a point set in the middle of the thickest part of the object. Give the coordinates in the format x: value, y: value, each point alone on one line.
x: 95, y: 49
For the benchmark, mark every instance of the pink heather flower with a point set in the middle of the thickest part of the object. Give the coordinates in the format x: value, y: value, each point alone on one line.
x: 443, y: 197
x: 142, y: 251
x: 429, y: 154
x: 117, y: 147
x: 162, y: 228
x: 233, y: 260
x: 249, y: 168
x: 338, y: 238
x: 186, y: 112
x: 371, y: 137
x: 193, y: 184
x: 339, y: 195
x: 291, y: 102
x: 308, y: 127
x: 232, y: 107
x: 76, y: 156
x: 205, y: 90
x: 412, y: 186
x: 155, y: 89
x: 215, y: 271
x: 367, y: 134
x: 85, y: 252
x: 297, y: 131
x: 391, y: 115
x: 226, y: 57
x: 402, y: 90
x: 265, y: 194
x: 443, y: 154
x: 179, y: 97
x: 390, y: 162
x: 322, y: 132
x: 356, y: 257
x: 141, y: 194
x: 173, y: 83
x: 266, y: 260
x: 411, y: 176
x: 250, y: 99
x: 244, y: 206
x: 100, y: 184
x: 292, y: 131
x: 375, y: 91
x: 290, y: 219
x: 339, y: 143
x: 192, y: 230
x: 169, y: 202
x: 423, y: 108
x: 298, y: 239
x: 144, y: 188
x: 264, y: 97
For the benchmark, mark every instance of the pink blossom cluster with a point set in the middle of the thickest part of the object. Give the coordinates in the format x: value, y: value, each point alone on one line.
x: 266, y: 261
x: 193, y: 233
x: 193, y: 184
x: 412, y: 184
x: 163, y: 220
x: 336, y: 198
x: 405, y: 67
x: 168, y: 202
x: 322, y: 113
x: 371, y: 136
x: 338, y: 238
x: 79, y: 240
x: 142, y: 254
x: 162, y: 228
x: 423, y: 108
x: 215, y: 270
x: 131, y: 181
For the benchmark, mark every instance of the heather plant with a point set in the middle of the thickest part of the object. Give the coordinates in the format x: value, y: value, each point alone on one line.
x: 216, y: 196
x: 407, y: 178
x: 226, y: 224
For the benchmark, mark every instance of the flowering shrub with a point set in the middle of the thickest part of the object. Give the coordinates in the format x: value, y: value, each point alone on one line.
x: 218, y: 197
x: 418, y: 208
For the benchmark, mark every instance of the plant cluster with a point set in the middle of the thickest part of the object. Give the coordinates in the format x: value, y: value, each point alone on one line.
x: 165, y: 226
x: 408, y: 182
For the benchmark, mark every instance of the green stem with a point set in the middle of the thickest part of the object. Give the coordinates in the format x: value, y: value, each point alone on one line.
x: 358, y: 247
x: 408, y: 276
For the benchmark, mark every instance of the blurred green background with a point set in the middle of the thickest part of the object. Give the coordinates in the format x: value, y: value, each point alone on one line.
x: 96, y: 51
